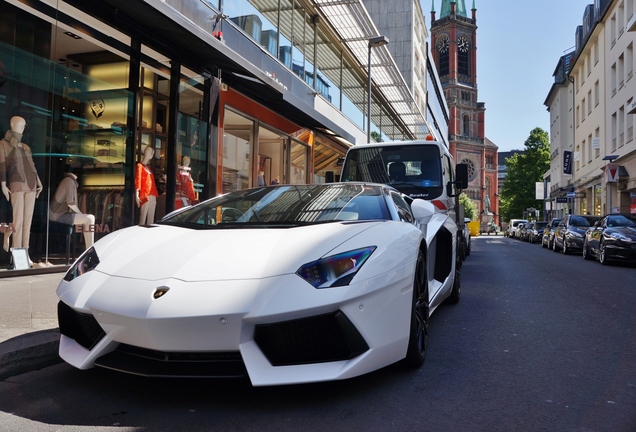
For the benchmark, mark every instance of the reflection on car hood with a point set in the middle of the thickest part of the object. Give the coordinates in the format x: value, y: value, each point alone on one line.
x: 627, y: 231
x: 159, y: 252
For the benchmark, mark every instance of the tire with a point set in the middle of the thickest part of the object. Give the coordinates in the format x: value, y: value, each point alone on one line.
x: 565, y: 249
x: 420, y: 307
x: 602, y: 255
x: 586, y: 251
x: 554, y: 246
x: 456, y: 291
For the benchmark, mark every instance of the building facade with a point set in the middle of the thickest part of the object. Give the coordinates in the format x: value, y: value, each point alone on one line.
x: 454, y: 47
x: 152, y: 105
x: 597, y: 168
x: 560, y: 105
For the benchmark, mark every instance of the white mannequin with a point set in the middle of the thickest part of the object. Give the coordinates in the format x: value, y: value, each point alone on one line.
x: 65, y: 199
x: 145, y: 189
x: 19, y: 182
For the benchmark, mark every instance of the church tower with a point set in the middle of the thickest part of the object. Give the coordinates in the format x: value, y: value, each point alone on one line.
x: 454, y: 48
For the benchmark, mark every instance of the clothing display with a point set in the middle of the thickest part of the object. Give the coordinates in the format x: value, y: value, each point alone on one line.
x: 145, y: 183
x: 16, y: 164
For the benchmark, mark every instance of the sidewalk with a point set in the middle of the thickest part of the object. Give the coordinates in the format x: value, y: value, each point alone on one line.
x: 29, y: 336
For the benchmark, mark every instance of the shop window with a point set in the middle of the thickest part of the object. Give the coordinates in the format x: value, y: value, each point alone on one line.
x: 191, y: 151
x: 238, y: 140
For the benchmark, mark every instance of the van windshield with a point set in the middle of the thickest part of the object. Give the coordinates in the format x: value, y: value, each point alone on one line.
x: 415, y: 170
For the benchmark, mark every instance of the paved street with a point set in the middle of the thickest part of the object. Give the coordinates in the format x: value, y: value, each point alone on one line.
x: 540, y: 341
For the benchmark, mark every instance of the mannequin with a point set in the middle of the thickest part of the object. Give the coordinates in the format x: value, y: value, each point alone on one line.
x: 145, y: 189
x: 185, y: 184
x: 19, y: 181
x: 64, y: 208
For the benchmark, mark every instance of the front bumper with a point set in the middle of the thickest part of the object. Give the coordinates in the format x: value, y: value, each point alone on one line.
x: 277, y: 331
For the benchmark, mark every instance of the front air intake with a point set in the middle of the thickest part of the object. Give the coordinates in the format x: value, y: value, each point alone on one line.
x: 81, y: 327
x: 318, y: 339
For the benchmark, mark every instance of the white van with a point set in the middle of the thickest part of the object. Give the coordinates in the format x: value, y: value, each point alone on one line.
x: 513, y: 227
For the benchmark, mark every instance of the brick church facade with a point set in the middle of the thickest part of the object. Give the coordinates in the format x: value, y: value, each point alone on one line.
x: 454, y: 47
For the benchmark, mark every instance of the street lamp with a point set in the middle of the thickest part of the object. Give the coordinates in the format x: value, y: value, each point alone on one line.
x: 609, y: 159
x: 373, y: 42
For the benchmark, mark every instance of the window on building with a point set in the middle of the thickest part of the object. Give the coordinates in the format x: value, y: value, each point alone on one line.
x: 613, y: 79
x: 621, y: 126
x: 589, y: 102
x: 466, y: 125
x: 629, y: 61
x: 614, y: 129
x: 613, y: 30
x: 583, y: 110
x: 463, y: 56
x: 597, y: 93
x: 443, y: 55
x: 621, y: 71
x: 597, y: 146
x: 596, y: 51
x: 589, y: 148
x: 629, y: 124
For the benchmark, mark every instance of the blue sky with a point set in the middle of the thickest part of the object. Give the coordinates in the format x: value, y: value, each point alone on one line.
x: 519, y: 43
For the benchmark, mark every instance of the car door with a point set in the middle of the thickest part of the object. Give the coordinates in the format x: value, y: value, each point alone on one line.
x: 595, y: 233
x: 559, y: 233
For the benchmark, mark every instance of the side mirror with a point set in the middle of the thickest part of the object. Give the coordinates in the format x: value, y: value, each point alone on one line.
x: 422, y: 209
x: 461, y: 176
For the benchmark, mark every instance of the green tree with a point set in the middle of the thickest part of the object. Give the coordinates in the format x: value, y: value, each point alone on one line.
x: 470, y: 209
x: 376, y: 136
x: 524, y: 170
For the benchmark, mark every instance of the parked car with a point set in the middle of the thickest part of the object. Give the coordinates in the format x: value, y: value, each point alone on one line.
x: 612, y: 238
x: 569, y: 234
x: 467, y: 236
x: 536, y: 233
x: 310, y: 283
x: 513, y: 225
x: 524, y: 230
x: 548, y: 233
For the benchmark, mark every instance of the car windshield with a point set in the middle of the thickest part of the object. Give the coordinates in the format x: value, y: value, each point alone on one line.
x: 540, y: 224
x: 285, y: 206
x: 412, y: 169
x: 583, y: 221
x: 621, y: 220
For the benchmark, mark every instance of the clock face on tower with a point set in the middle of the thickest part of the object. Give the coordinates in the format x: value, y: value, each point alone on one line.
x: 442, y: 45
x: 462, y: 43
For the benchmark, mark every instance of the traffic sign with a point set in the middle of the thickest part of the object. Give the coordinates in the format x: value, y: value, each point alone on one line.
x: 571, y: 194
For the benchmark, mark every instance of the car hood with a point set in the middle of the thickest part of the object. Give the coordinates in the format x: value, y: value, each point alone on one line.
x: 160, y: 251
x: 627, y: 231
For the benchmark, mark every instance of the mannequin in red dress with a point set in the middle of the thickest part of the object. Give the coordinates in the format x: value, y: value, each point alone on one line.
x: 145, y: 189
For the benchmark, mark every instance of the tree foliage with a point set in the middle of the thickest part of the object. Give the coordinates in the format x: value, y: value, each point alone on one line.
x: 470, y: 209
x: 524, y: 170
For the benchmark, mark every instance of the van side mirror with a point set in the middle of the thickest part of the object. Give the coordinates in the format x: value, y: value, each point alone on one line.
x: 461, y: 176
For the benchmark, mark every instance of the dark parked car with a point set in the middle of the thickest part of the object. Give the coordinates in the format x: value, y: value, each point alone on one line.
x: 548, y: 233
x: 536, y: 233
x: 569, y: 234
x: 524, y: 232
x: 612, y: 238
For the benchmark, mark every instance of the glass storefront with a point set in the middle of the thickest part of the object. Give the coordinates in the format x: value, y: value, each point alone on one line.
x: 106, y: 153
x: 121, y: 134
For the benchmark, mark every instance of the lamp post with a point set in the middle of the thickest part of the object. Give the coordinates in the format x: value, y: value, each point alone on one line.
x: 609, y: 159
x: 373, y: 42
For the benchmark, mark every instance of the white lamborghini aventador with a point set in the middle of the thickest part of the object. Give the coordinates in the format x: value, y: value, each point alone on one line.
x: 286, y: 284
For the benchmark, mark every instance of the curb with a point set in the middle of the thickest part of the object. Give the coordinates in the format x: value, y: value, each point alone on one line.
x: 29, y: 352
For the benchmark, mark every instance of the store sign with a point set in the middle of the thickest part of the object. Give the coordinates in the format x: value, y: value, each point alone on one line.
x: 561, y: 200
x: 98, y: 228
x: 567, y: 162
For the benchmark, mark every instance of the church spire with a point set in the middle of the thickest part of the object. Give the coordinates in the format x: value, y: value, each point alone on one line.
x: 460, y: 8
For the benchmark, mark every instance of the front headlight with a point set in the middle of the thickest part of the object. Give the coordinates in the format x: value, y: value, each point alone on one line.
x: 620, y: 237
x: 336, y: 270
x: 84, y: 264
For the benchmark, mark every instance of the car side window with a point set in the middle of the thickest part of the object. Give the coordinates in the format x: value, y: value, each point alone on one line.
x: 403, y: 208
